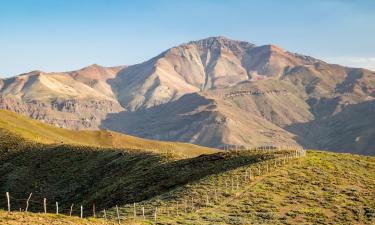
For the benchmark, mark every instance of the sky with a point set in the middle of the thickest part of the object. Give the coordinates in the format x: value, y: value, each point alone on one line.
x: 63, y: 35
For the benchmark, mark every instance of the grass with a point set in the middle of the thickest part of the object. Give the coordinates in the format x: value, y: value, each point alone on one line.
x: 322, y: 188
x: 14, y: 218
x: 37, y: 131
x: 84, y: 175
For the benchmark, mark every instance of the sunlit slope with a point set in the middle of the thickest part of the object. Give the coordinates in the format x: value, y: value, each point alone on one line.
x: 16, y: 218
x: 44, y: 133
x: 321, y: 188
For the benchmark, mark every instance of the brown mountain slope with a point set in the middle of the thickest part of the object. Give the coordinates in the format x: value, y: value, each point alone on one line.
x: 76, y: 100
x: 197, y: 118
x: 210, y: 63
x: 350, y: 130
x: 213, y: 92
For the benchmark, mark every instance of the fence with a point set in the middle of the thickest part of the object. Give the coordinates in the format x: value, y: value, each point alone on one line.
x: 190, y: 203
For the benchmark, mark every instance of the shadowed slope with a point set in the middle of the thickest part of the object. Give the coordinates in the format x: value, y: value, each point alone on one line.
x: 201, y: 119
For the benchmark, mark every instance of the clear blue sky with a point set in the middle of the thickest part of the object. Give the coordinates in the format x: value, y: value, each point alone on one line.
x: 60, y: 35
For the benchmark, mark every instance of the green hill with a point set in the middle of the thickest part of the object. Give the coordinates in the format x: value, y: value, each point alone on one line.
x: 102, y: 176
x: 321, y: 188
x: 37, y: 131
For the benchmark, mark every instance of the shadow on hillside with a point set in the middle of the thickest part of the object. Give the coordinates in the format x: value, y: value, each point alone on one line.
x: 104, y: 177
x: 162, y: 122
x: 351, y: 130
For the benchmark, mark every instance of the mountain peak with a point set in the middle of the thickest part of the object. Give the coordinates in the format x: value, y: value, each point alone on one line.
x: 275, y: 48
x: 98, y: 67
x: 216, y: 38
x: 220, y: 41
x: 94, y: 66
x: 31, y: 73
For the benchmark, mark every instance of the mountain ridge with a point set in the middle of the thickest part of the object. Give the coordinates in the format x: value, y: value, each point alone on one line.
x: 262, y: 94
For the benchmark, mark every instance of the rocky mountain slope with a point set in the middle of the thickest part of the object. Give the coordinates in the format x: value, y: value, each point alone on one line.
x: 213, y: 92
x: 76, y: 100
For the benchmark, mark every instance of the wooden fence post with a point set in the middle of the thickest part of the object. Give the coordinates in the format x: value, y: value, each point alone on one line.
x: 105, y: 214
x: 155, y: 214
x: 135, y: 211
x: 8, y: 201
x: 27, y: 202
x: 57, y: 208
x: 45, y: 205
x: 192, y: 203
x: 71, y: 209
x: 81, y: 211
x: 93, y: 210
x: 258, y: 170
x: 118, y: 215
x: 143, y: 212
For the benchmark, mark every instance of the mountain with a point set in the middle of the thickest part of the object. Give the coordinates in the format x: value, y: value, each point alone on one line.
x: 213, y: 92
x: 77, y: 100
x: 200, y: 65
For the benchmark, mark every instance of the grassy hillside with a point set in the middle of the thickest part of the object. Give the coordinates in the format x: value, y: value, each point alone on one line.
x: 15, y: 218
x: 44, y: 133
x: 322, y: 188
x: 86, y: 175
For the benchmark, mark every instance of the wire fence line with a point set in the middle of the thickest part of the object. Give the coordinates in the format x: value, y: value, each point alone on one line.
x: 225, y: 185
